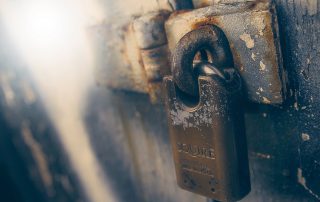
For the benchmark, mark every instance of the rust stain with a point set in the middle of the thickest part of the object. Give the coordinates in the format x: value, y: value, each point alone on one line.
x: 214, y: 20
x: 131, y: 54
x: 204, y: 4
x: 236, y: 58
x: 271, y: 54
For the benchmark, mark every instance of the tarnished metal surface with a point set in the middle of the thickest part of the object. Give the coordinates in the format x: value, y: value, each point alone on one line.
x: 251, y: 29
x: 208, y: 139
x: 137, y: 56
x: 118, y: 61
x: 156, y: 65
x: 207, y: 38
x: 131, y: 47
x: 152, y: 41
x: 149, y: 29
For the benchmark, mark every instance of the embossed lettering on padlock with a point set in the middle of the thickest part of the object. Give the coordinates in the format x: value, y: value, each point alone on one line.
x: 208, y: 136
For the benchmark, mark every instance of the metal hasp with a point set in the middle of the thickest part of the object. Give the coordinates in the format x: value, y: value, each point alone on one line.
x: 131, y: 53
x: 205, y: 117
x: 252, y: 31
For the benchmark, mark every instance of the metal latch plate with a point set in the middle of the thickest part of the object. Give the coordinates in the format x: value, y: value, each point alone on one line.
x: 252, y: 31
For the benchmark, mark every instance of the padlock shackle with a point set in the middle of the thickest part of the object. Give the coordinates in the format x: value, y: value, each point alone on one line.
x: 209, y: 38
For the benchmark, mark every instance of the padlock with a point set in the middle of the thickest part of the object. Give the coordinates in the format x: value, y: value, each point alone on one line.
x: 205, y: 119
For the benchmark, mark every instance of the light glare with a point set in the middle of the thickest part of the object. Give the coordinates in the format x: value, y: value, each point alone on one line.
x: 44, y: 25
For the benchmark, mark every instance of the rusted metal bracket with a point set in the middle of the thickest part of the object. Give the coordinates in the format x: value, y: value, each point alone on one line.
x: 252, y: 31
x: 132, y: 53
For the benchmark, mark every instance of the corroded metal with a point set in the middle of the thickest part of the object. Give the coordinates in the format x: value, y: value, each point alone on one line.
x: 149, y: 29
x: 133, y: 53
x: 208, y: 139
x: 118, y: 61
x: 207, y: 38
x: 250, y: 26
x: 152, y: 42
x: 131, y: 46
x: 252, y: 31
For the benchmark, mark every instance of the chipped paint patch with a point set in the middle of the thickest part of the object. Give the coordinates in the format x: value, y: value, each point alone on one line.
x: 266, y: 100
x: 247, y: 39
x: 188, y: 119
x: 308, y: 61
x: 253, y: 56
x: 258, y: 22
x: 305, y: 136
x: 200, y: 115
x: 241, y: 68
x: 262, y: 66
x: 302, y: 181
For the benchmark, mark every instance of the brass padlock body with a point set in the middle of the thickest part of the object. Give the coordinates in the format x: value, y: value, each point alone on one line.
x: 208, y: 140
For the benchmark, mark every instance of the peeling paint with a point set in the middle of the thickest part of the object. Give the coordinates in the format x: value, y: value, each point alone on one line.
x: 200, y: 115
x: 247, y: 39
x: 266, y: 100
x: 308, y: 61
x: 258, y: 22
x: 188, y: 119
x: 253, y: 56
x: 305, y: 136
x: 262, y: 66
